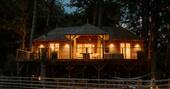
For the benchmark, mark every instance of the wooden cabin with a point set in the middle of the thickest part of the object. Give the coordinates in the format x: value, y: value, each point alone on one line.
x: 87, y: 43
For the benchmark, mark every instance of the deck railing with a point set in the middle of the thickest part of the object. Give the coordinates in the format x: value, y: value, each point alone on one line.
x: 24, y: 55
x: 13, y: 82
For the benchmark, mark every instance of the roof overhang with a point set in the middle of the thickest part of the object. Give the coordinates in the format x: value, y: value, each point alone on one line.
x: 74, y: 36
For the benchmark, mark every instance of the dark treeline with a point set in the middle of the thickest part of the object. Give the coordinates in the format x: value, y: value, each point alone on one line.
x: 150, y: 19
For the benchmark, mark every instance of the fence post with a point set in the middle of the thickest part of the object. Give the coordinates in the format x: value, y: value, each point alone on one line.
x: 139, y: 83
x: 31, y: 81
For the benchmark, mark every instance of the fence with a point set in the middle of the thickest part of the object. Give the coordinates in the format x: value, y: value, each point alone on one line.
x: 12, y: 82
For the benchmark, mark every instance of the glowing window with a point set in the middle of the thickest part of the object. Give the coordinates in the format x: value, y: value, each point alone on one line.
x: 112, y: 48
x: 125, y: 49
x: 54, y: 47
x: 128, y: 51
x: 84, y: 48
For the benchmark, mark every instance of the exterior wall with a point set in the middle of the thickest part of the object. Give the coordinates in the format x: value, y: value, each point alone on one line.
x: 64, y: 51
x: 61, y: 52
x: 133, y: 49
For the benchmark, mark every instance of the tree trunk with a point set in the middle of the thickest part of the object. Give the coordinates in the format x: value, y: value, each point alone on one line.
x: 23, y: 22
x: 33, y: 24
x: 145, y: 26
x: 168, y: 52
x: 99, y: 13
x: 23, y: 42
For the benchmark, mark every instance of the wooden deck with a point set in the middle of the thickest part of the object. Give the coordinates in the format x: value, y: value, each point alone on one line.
x: 87, y: 68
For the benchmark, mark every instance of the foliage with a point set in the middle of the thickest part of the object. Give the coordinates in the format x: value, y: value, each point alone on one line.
x: 9, y: 42
x: 131, y: 17
x: 10, y: 67
x: 16, y: 21
x: 109, y: 11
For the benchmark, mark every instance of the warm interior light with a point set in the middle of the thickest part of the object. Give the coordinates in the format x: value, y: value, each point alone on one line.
x: 96, y: 55
x: 67, y: 46
x: 125, y: 49
x: 137, y: 47
x: 128, y: 51
x: 41, y: 46
x: 52, y: 46
x: 84, y: 48
x: 111, y: 45
x: 112, y: 48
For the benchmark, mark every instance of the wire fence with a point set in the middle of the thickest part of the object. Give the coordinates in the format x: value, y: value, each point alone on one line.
x: 13, y: 82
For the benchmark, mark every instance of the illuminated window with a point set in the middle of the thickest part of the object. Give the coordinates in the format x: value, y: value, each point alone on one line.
x: 54, y: 50
x: 135, y: 51
x: 42, y: 51
x: 112, y: 48
x: 54, y: 47
x: 84, y: 48
x: 125, y: 49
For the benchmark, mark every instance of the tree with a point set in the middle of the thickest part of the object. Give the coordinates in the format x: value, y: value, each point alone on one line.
x: 166, y: 30
x: 96, y: 11
x: 15, y: 24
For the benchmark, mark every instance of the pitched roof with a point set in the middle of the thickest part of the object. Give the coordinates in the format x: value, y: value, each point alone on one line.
x: 87, y: 29
x: 120, y: 33
x: 58, y: 33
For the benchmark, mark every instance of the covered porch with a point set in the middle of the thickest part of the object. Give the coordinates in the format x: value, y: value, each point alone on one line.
x: 87, y: 46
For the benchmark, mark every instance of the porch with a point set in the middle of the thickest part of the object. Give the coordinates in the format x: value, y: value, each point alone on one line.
x: 82, y: 54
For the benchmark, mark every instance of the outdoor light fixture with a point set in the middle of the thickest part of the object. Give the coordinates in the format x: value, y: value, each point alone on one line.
x: 111, y: 45
x: 67, y: 46
x: 41, y: 46
x: 137, y: 46
x: 39, y: 78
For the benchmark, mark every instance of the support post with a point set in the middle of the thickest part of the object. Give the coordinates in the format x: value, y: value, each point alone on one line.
x: 18, y: 69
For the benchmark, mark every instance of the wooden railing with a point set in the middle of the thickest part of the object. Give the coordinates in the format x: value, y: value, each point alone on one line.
x: 13, y: 82
x: 24, y: 55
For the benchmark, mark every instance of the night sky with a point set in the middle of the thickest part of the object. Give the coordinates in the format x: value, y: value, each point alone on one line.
x: 67, y: 8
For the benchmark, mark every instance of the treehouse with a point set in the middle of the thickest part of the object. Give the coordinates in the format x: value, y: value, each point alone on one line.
x: 85, y: 42
x: 87, y: 47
